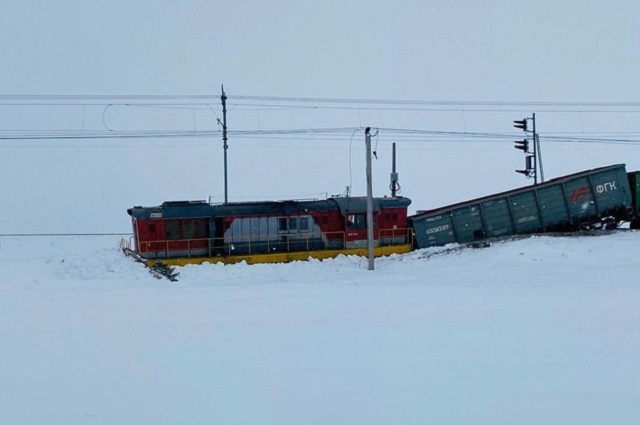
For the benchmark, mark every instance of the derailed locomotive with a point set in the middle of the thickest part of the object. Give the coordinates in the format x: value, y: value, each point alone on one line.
x: 187, y: 232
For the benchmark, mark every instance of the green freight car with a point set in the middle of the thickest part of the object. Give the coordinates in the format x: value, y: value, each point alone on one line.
x: 634, y: 183
x: 593, y: 198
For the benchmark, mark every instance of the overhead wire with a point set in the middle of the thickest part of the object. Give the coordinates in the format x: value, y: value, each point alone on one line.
x: 301, y: 134
x: 432, y: 102
x: 206, y: 102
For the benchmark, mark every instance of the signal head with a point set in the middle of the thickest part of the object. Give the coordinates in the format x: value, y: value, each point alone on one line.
x: 521, y: 124
x: 523, y: 145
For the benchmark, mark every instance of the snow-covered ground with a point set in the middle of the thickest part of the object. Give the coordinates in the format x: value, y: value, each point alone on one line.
x: 537, y: 331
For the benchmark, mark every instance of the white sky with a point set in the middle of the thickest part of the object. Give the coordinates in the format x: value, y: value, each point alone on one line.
x: 542, y: 51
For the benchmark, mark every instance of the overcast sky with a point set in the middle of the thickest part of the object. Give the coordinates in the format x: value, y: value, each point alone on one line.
x: 467, y: 51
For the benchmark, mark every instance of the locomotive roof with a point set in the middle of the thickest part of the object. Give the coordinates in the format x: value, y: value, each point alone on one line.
x: 358, y: 204
x: 173, y: 209
x: 350, y: 205
x: 269, y: 207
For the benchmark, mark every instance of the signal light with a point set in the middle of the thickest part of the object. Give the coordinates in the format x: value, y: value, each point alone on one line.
x: 523, y: 145
x: 525, y: 172
x: 521, y: 124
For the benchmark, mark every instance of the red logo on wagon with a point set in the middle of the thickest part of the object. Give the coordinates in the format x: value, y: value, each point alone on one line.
x: 579, y: 193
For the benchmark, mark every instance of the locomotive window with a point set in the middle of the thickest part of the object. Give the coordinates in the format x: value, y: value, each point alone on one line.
x: 325, y: 219
x: 304, y: 224
x: 293, y: 224
x: 188, y: 229
x: 173, y: 230
x: 152, y: 228
x: 282, y: 224
x: 356, y: 221
x: 194, y: 229
x: 202, y: 229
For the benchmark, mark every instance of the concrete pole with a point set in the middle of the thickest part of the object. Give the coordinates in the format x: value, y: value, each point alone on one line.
x: 367, y: 139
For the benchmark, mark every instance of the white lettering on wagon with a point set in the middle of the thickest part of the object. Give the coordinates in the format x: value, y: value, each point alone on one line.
x: 527, y: 219
x: 436, y: 218
x: 437, y: 229
x: 606, y: 187
x: 156, y: 215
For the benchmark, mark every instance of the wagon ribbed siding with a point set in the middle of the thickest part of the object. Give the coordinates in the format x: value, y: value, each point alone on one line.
x: 563, y: 204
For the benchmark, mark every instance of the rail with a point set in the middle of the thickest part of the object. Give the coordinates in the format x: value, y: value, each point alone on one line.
x: 262, y: 244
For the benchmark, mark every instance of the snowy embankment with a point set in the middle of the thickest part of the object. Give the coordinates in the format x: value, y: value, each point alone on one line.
x: 537, y: 331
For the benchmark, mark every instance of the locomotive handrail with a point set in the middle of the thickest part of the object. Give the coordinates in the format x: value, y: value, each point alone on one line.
x: 397, y: 233
x: 211, y: 247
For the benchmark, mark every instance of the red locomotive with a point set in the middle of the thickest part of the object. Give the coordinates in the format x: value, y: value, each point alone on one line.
x: 195, y: 231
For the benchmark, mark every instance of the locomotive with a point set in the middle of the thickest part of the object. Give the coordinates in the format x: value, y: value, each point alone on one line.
x: 187, y: 232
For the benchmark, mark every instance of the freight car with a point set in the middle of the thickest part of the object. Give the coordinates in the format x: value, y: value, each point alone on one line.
x: 601, y: 197
x: 187, y: 232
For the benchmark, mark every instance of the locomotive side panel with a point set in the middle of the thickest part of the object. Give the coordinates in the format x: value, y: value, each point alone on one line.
x: 335, y: 230
x: 149, y: 237
x: 392, y: 225
x: 264, y: 234
x: 187, y: 237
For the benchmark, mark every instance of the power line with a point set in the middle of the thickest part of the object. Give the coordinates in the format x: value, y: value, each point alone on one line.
x: 454, y: 108
x: 107, y: 135
x: 336, y: 133
x: 62, y: 234
x: 431, y: 102
x: 212, y: 99
x: 72, y: 97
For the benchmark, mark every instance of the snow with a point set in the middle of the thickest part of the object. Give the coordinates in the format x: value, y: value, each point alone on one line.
x: 544, y: 330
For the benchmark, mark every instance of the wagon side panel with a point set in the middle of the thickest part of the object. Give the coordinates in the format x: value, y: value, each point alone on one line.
x: 497, y: 218
x: 433, y: 230
x: 468, y: 224
x: 554, y: 210
x: 524, y: 208
x: 612, y: 193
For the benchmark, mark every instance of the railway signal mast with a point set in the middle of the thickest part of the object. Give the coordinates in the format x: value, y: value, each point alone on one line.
x: 532, y: 157
x: 225, y: 146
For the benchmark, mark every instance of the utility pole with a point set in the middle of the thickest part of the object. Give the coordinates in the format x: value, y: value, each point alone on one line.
x: 367, y: 141
x: 223, y: 98
x: 535, y: 148
x: 536, y: 143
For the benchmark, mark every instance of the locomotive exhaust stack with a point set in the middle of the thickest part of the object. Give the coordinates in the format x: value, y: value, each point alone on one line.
x: 394, y: 185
